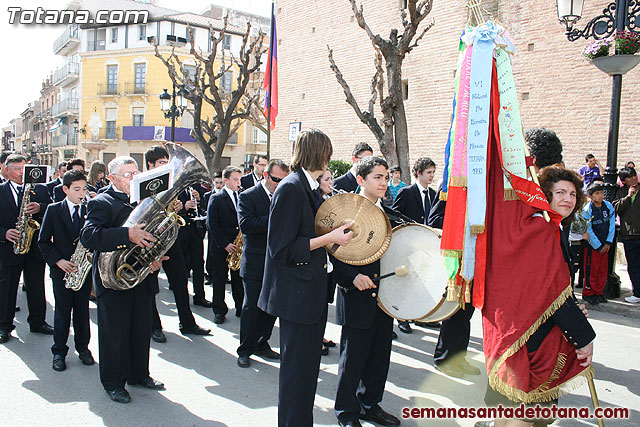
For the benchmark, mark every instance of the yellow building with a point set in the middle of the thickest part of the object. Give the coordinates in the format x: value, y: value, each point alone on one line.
x: 121, y: 79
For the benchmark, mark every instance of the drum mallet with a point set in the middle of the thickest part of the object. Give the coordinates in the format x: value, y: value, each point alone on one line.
x: 399, y: 271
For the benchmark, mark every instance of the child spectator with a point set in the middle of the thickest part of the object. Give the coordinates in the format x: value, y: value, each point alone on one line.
x: 591, y: 170
x: 395, y: 185
x: 601, y: 217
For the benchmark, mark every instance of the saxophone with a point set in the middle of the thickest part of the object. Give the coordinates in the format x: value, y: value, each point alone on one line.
x: 125, y: 268
x: 233, y: 260
x: 26, y: 225
x: 82, y: 258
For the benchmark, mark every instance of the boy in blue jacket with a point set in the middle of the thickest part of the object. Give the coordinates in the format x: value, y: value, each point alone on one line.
x: 600, y: 216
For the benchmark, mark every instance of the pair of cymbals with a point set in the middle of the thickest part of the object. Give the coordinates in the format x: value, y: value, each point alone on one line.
x: 371, y: 228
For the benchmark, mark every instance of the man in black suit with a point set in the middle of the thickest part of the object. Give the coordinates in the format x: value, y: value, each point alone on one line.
x: 58, y: 193
x: 254, y: 177
x: 294, y: 287
x: 347, y: 182
x: 62, y: 168
x: 191, y: 239
x: 253, y: 215
x: 222, y: 223
x: 365, y: 342
x: 31, y: 265
x: 174, y: 267
x: 3, y: 168
x: 124, y: 316
x: 416, y: 201
x: 59, y: 235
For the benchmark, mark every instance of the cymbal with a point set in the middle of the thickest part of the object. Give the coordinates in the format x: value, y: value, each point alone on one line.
x: 371, y: 228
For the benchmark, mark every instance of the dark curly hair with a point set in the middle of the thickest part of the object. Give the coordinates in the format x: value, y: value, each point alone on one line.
x: 544, y: 145
x: 552, y: 174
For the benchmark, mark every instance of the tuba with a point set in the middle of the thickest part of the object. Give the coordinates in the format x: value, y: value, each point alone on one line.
x: 26, y: 225
x: 126, y: 268
x: 233, y: 260
x: 82, y: 258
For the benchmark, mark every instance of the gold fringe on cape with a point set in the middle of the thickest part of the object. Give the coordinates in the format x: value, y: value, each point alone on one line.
x: 477, y: 229
x: 537, y: 395
x: 458, y: 181
x: 443, y: 196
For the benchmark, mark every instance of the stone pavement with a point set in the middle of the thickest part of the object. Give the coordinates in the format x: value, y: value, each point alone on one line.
x: 206, y: 388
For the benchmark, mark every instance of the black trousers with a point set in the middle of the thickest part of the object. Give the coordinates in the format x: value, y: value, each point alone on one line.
x: 32, y: 269
x: 124, y: 335
x: 193, y: 250
x: 300, y: 352
x: 219, y: 274
x: 454, y: 335
x: 68, y: 302
x: 176, y: 272
x: 256, y: 326
x: 363, y: 367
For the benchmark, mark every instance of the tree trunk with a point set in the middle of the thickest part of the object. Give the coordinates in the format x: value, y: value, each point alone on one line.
x: 394, y: 77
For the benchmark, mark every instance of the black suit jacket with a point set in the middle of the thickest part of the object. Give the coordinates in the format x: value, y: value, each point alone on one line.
x: 52, y: 184
x: 103, y: 232
x: 58, y: 193
x: 357, y: 309
x: 436, y: 215
x: 57, y: 238
x: 246, y: 181
x: 9, y: 217
x: 346, y: 182
x: 294, y: 287
x: 253, y: 216
x: 189, y: 214
x: 409, y: 202
x: 222, y: 221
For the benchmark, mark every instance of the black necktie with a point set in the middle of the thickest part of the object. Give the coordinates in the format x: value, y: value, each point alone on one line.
x: 427, y: 205
x: 19, y: 195
x: 76, y: 219
x: 235, y: 199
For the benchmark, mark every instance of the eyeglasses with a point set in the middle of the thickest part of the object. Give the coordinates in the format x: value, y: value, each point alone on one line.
x: 128, y: 175
x: 273, y: 178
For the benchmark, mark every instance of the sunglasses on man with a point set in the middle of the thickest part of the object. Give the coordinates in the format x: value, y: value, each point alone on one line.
x: 273, y: 178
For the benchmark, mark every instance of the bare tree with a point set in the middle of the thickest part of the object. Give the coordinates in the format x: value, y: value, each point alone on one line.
x: 231, y: 108
x: 391, y: 132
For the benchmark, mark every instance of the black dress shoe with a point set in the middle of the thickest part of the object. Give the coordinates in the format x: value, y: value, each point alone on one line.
x: 238, y: 313
x: 394, y: 336
x: 601, y: 299
x: 451, y: 369
x: 119, y: 395
x: 158, y: 336
x: 468, y: 368
x: 17, y: 309
x: 201, y: 302
x: 59, y: 363
x: 329, y: 344
x: 404, y: 327
x: 194, y: 330
x: 86, y: 358
x: 379, y: 416
x: 218, y: 319
x: 244, y: 361
x: 428, y: 324
x: 4, y: 336
x: 324, y: 351
x: 149, y: 383
x: 268, y: 353
x: 350, y: 423
x: 44, y: 329
x: 591, y: 299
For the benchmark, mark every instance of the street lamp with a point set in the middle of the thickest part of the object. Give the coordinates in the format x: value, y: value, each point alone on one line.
x: 618, y: 16
x: 173, y: 106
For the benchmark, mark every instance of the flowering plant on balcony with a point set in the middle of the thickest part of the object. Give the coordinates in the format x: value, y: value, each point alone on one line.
x: 596, y: 49
x: 627, y: 43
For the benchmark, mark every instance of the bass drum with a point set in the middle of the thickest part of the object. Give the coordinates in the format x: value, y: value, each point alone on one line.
x: 421, y: 294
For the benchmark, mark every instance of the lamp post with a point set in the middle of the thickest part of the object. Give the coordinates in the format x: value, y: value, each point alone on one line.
x: 173, y: 106
x: 618, y: 16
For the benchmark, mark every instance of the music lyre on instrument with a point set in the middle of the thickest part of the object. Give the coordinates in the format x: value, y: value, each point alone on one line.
x: 371, y: 227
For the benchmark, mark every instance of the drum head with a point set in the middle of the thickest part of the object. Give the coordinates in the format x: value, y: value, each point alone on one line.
x: 420, y: 292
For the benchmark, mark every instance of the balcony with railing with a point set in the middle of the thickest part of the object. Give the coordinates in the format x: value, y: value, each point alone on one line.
x: 135, y: 88
x: 108, y: 89
x: 110, y: 132
x: 67, y: 74
x: 66, y: 107
x: 68, y: 41
x: 65, y: 140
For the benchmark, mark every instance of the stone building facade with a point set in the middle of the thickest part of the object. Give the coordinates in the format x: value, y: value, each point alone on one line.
x: 557, y: 88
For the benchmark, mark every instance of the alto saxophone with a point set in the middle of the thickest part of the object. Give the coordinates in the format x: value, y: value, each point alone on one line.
x: 234, y: 259
x: 26, y: 225
x: 82, y: 258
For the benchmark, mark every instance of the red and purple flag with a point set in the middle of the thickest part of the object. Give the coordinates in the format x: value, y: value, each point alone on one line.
x: 271, y: 77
